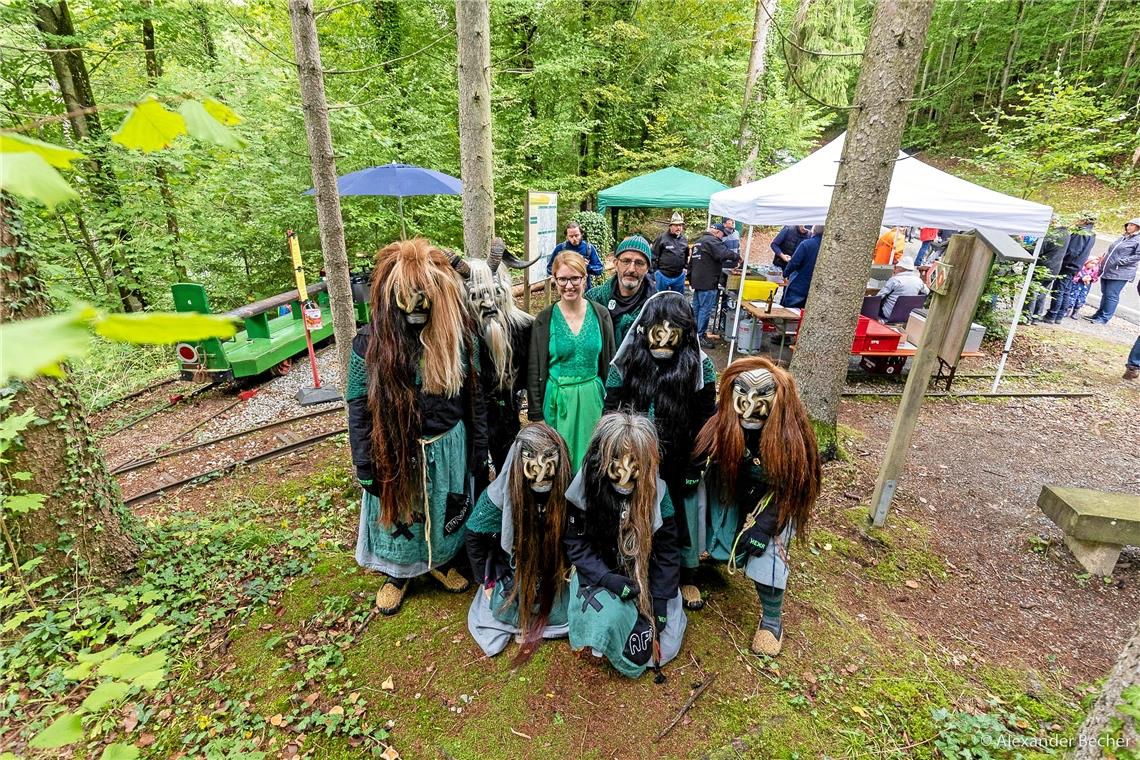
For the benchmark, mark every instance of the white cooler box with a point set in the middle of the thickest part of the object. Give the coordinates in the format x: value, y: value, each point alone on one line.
x: 916, y: 323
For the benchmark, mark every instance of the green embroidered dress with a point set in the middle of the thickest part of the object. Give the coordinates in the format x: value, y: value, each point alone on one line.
x: 574, y: 392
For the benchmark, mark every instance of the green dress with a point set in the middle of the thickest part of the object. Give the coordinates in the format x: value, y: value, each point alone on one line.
x: 574, y: 392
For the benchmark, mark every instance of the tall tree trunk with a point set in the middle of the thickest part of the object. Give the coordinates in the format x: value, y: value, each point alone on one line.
x: 1126, y: 71
x: 796, y: 35
x: 874, y: 134
x: 202, y: 14
x: 473, y: 30
x: 322, y: 160
x: 82, y: 524
x: 1126, y: 673
x: 79, y: 257
x: 1094, y: 29
x: 54, y: 22
x: 1011, y: 51
x: 753, y: 94
x: 153, y: 73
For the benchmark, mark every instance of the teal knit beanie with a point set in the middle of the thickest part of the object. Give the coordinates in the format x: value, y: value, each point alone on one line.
x: 635, y: 243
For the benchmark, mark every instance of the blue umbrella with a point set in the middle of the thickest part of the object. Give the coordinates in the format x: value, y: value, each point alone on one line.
x: 399, y: 180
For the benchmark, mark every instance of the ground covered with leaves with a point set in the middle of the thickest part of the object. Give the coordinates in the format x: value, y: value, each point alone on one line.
x: 962, y: 629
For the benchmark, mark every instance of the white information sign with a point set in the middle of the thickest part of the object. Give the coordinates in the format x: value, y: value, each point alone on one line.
x: 541, y: 231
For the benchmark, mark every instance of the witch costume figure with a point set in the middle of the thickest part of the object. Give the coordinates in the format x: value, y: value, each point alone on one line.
x: 505, y: 332
x: 514, y: 542
x: 416, y: 421
x: 660, y: 371
x: 762, y: 479
x: 621, y: 537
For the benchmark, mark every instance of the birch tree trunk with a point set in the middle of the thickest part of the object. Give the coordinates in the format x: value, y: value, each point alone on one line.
x: 322, y: 161
x: 1126, y: 673
x: 473, y: 29
x: 874, y: 134
x: 753, y: 94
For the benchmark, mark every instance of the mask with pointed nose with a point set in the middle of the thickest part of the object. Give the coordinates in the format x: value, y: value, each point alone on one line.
x: 753, y: 393
x: 664, y: 339
x: 623, y: 473
x: 539, y: 467
x: 416, y: 307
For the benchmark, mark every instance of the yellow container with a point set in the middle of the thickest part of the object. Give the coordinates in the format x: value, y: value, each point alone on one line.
x: 758, y: 290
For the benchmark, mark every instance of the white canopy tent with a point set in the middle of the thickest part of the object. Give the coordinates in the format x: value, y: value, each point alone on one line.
x: 919, y: 196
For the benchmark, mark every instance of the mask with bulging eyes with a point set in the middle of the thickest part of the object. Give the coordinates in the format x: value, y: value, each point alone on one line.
x: 484, y: 301
x: 664, y: 338
x: 539, y: 467
x: 416, y: 311
x: 753, y: 393
x: 623, y: 473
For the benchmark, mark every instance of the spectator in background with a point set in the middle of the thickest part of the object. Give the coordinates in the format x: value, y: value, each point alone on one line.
x: 576, y: 242
x: 890, y: 247
x: 926, y: 236
x: 1052, y: 255
x: 786, y: 242
x: 800, y: 270
x: 1081, y: 240
x: 1082, y: 282
x: 1132, y: 366
x: 709, y: 256
x: 1117, y: 268
x: 670, y: 253
x: 904, y: 282
x: 732, y: 239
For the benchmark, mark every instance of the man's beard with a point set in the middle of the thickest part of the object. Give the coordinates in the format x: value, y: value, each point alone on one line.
x: 498, y: 338
x: 630, y: 284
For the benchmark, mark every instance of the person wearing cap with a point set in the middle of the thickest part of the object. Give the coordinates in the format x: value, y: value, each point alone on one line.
x: 575, y: 241
x: 708, y: 258
x: 1052, y: 256
x: 671, y: 256
x: 1081, y: 241
x: 625, y: 293
x: 904, y: 282
x: 1117, y: 268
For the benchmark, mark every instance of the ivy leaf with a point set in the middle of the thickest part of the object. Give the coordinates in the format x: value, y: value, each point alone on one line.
x: 108, y: 691
x: 221, y: 112
x: 164, y: 327
x: 120, y: 752
x: 149, y: 127
x: 205, y: 127
x: 150, y: 635
x: 65, y: 729
x: 128, y: 666
x: 31, y: 347
x: 28, y: 175
x: 56, y: 155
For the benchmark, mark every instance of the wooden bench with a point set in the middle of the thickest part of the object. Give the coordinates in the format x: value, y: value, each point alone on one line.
x: 1096, y: 524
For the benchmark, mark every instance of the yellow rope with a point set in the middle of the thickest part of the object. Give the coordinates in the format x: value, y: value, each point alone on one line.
x: 749, y: 521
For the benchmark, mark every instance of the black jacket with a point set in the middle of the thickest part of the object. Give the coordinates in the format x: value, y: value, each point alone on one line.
x: 1053, y: 249
x: 438, y: 414
x: 538, y: 360
x: 1081, y: 243
x: 502, y: 404
x: 709, y: 256
x: 670, y: 254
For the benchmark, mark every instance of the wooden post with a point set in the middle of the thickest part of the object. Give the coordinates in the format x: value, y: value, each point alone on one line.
x: 526, y: 252
x: 947, y: 325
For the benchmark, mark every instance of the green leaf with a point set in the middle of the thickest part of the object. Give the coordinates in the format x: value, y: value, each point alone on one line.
x: 65, y: 729
x: 205, y: 127
x: 149, y: 127
x: 164, y: 327
x: 29, y: 176
x: 128, y: 666
x: 120, y: 752
x: 33, y: 347
x: 22, y: 503
x: 149, y: 680
x: 221, y: 112
x: 56, y: 155
x: 17, y: 620
x: 108, y: 691
x: 150, y: 635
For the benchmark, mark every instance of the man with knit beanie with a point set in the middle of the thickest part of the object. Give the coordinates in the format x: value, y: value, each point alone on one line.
x: 625, y: 293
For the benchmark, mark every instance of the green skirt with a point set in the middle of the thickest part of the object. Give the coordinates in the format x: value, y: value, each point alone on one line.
x: 573, y: 406
x: 402, y: 551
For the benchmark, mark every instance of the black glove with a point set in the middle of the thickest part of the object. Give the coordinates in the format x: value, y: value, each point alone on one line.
x: 622, y: 587
x: 755, y: 541
x: 661, y: 613
x: 371, y: 486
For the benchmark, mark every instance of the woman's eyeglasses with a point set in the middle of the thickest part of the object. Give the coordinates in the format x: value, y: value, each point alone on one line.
x: 564, y: 281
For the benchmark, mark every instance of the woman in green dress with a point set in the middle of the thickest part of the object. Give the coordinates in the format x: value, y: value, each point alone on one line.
x: 571, y: 346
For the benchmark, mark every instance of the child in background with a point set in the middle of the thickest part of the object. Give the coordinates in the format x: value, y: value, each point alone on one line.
x: 1082, y: 281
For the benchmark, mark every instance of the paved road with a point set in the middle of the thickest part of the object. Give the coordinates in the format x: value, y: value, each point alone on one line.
x: 1129, y: 307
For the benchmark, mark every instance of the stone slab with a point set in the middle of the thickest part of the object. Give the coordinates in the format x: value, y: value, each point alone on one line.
x: 1097, y: 558
x: 1090, y: 515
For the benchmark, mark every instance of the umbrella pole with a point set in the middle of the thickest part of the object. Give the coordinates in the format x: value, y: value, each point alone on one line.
x: 403, y: 232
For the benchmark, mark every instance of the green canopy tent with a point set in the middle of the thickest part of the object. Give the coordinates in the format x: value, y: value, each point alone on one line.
x: 664, y: 188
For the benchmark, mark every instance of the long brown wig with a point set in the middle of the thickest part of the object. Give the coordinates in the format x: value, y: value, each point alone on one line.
x: 788, y: 449
x: 623, y: 543
x: 540, y: 560
x: 396, y: 352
